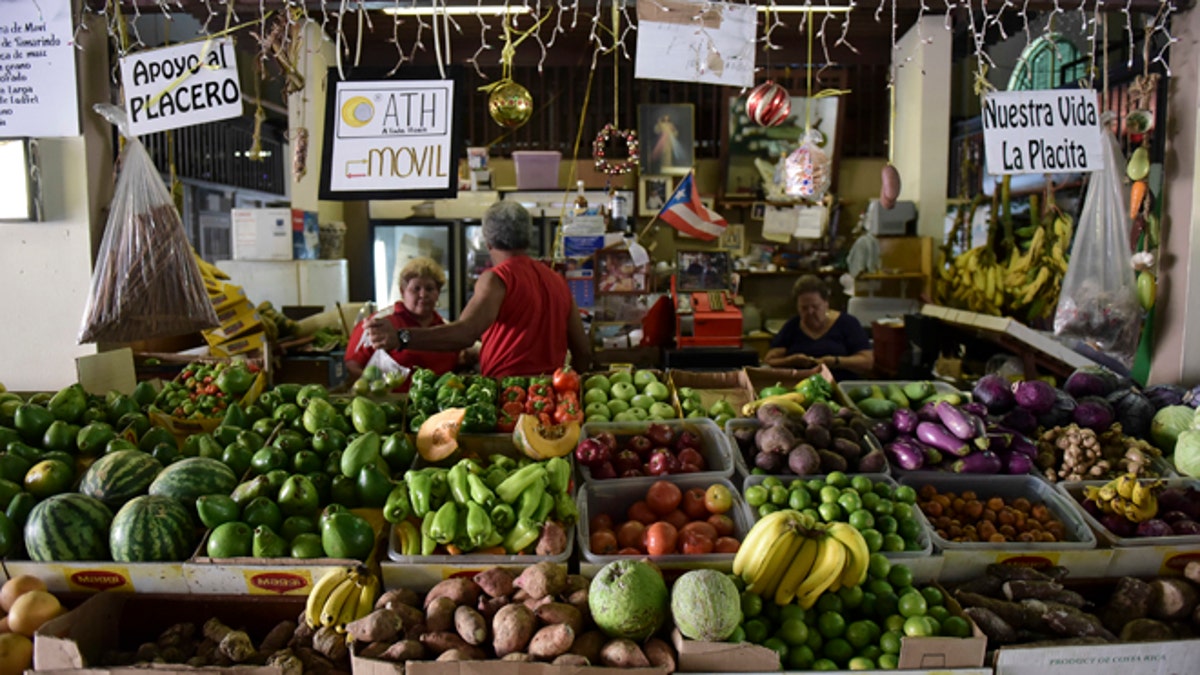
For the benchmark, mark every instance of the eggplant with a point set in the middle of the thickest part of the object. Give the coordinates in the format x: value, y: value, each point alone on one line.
x: 983, y: 461
x: 1034, y: 395
x: 993, y: 391
x: 906, y: 454
x: 905, y: 420
x: 1017, y: 464
x: 1020, y: 419
x: 999, y: 441
x: 1163, y: 395
x: 975, y: 408
x: 873, y: 462
x: 957, y: 422
x: 1090, y: 381
x: 1060, y: 413
x: 926, y: 413
x: 933, y: 456
x: 1093, y: 413
x: 939, y: 437
x: 1023, y: 446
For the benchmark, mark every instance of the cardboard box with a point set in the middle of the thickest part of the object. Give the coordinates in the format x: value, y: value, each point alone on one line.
x: 225, y: 296
x: 181, y: 426
x: 78, y: 639
x: 266, y: 234
x: 103, y: 575
x: 365, y: 666
x: 239, y: 345
x: 1142, y: 658
x: 235, y: 319
x: 733, y: 386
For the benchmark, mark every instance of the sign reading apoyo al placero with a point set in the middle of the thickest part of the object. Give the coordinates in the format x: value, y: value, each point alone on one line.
x: 1054, y: 131
x: 181, y: 86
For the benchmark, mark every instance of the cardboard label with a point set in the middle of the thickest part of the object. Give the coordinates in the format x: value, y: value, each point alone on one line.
x: 278, y: 583
x: 99, y: 579
x: 1055, y: 131
x: 1034, y: 560
x: 1116, y: 659
x: 1174, y: 564
x: 181, y: 86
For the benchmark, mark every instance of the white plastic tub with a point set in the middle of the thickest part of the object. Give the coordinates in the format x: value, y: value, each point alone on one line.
x: 714, y: 447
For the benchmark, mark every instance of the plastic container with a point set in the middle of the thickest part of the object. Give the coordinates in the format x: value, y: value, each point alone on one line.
x: 537, y: 169
x: 714, y: 446
x: 925, y: 539
x: 742, y: 465
x: 614, y: 497
x: 1078, y: 534
x: 469, y: 561
x: 1075, y: 492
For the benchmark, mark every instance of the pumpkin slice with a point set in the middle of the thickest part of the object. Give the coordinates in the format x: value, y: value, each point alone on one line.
x: 437, y: 438
x: 544, y: 442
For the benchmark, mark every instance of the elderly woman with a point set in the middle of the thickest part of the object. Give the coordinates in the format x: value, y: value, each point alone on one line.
x: 819, y: 335
x: 521, y: 310
x: 420, y: 283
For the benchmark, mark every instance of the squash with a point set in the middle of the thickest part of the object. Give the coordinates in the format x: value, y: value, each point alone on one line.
x: 437, y: 438
x: 542, y: 442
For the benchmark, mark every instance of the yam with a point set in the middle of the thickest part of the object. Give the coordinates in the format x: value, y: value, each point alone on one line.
x: 517, y: 656
x: 460, y: 590
x: 1073, y: 623
x: 1146, y: 630
x: 570, y: 660
x: 1019, y: 589
x: 287, y: 662
x: 1172, y: 599
x: 997, y: 630
x: 329, y: 643
x: 660, y: 654
x: 512, y: 628
x: 446, y: 640
x: 1016, y: 572
x: 1130, y: 600
x: 588, y: 645
x: 470, y: 625
x: 623, y: 653
x: 551, y: 641
x: 184, y: 632
x: 495, y: 581
x: 439, y: 615
x: 577, y: 582
x: 453, y: 655
x: 398, y: 596
x: 560, y: 612
x: 303, y: 635
x: 276, y: 640
x: 553, y: 540
x: 405, y: 650
x: 374, y: 650
x: 382, y: 625
x: 314, y: 662
x: 542, y: 579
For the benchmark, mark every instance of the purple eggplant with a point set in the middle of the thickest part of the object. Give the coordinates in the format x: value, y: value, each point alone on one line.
x: 974, y: 408
x: 1035, y: 396
x: 1020, y: 419
x: 906, y: 454
x: 993, y: 391
x: 984, y: 461
x: 926, y: 413
x: 1017, y: 464
x: 957, y: 422
x: 905, y: 420
x: 883, y: 430
x: 1023, y: 446
x: 939, y: 437
x: 999, y: 441
x: 933, y: 456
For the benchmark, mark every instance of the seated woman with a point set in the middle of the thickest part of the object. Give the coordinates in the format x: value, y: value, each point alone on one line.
x: 420, y: 283
x: 819, y: 335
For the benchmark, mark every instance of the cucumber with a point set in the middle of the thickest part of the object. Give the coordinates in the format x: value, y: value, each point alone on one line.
x: 877, y: 408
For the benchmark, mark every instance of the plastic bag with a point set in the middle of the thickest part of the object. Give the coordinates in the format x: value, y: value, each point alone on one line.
x: 1098, y: 304
x: 146, y: 283
x: 808, y: 169
x: 382, y: 360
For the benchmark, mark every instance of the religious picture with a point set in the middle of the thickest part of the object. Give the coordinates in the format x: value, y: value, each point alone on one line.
x: 667, y: 134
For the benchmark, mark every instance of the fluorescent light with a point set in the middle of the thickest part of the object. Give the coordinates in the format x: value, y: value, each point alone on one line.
x: 457, y: 10
x: 805, y: 9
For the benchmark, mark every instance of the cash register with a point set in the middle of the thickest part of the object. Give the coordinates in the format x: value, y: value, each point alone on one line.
x: 707, y: 312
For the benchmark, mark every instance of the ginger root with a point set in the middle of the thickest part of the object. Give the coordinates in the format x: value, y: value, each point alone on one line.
x: 233, y: 644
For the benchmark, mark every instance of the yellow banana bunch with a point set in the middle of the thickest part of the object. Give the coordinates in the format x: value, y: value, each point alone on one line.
x: 1125, y: 495
x: 343, y: 595
x: 792, y: 403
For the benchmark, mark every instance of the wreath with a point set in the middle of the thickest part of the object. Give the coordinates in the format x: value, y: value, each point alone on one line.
x: 615, y: 167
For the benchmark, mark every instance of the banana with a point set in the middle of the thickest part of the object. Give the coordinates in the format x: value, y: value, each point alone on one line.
x: 831, y: 557
x: 366, y: 596
x: 755, y: 545
x: 782, y: 554
x: 349, y: 610
x: 858, y: 556
x: 791, y: 402
x: 1143, y: 491
x: 1125, y: 485
x: 410, y: 538
x: 796, y: 572
x: 332, y: 608
x: 320, y: 594
x: 774, y: 549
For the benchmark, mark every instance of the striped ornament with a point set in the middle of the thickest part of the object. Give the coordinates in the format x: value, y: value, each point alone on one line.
x: 768, y: 104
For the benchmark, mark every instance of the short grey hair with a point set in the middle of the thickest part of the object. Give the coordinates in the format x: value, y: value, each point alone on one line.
x: 507, y: 226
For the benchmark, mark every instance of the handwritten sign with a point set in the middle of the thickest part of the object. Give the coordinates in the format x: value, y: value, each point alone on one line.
x: 684, y: 41
x: 1042, y: 132
x: 37, y: 70
x: 181, y: 86
x: 391, y: 139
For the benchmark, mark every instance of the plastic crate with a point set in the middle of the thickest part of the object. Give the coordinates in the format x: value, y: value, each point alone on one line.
x: 614, y: 497
x: 1074, y: 491
x: 714, y: 446
x: 1079, y: 535
x: 742, y: 466
x: 925, y: 538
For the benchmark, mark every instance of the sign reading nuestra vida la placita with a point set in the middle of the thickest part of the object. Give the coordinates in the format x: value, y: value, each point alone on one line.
x: 1054, y: 131
x: 181, y: 86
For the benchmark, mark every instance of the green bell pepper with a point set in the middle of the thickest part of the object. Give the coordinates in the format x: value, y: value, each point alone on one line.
x: 445, y: 523
x: 415, y: 422
x: 428, y: 545
x: 420, y: 492
x: 457, y: 480
x: 441, y: 486
x: 503, y: 516
x: 423, y: 377
x: 530, y: 500
x: 481, y: 393
x: 451, y: 380
x: 545, y: 506
x: 519, y: 481
x: 514, y: 381
x: 449, y: 397
x: 398, y: 505
x: 494, y: 477
x: 815, y: 388
x: 776, y: 389
x: 521, y: 536
x: 565, y: 510
x: 480, y: 493
x: 558, y: 471
x: 502, y: 462
x: 479, y: 525
x: 479, y: 418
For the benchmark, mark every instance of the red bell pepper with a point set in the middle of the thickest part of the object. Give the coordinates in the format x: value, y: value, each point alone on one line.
x: 541, y: 389
x: 568, y: 411
x: 506, y: 417
x: 538, y: 404
x: 514, y: 393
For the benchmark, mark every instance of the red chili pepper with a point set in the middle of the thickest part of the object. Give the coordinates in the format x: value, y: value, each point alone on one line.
x: 514, y: 393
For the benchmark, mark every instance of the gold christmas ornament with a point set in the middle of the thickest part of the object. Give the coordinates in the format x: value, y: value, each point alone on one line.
x: 510, y: 105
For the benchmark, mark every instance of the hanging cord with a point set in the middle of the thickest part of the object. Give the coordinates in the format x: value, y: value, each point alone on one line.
x: 509, y: 50
x: 616, y: 30
x: 809, y: 95
x: 208, y: 42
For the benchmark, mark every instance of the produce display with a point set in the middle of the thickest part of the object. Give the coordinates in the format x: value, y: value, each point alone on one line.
x: 205, y: 390
x: 27, y: 605
x: 624, y: 396
x: 375, y: 382
x: 965, y: 517
x: 668, y: 521
x: 1129, y: 507
x: 948, y: 437
x: 790, y: 439
x: 720, y: 411
x: 430, y: 394
x: 661, y: 450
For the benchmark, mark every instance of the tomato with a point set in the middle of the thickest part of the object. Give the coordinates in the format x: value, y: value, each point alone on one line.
x: 701, y: 527
x: 565, y: 379
x: 663, y: 497
x: 722, y: 523
x: 718, y: 498
x: 631, y: 551
x: 603, y: 542
x: 677, y: 518
x: 601, y: 522
x: 661, y: 538
x: 693, y: 504
x: 727, y: 545
x: 693, y: 542
x: 641, y: 512
x: 630, y: 534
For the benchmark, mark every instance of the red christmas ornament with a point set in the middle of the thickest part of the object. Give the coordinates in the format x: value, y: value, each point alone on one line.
x: 768, y: 104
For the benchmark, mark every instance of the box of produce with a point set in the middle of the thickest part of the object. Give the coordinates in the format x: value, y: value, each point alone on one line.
x: 199, y: 398
x: 783, y: 440
x: 772, y: 379
x: 1017, y: 520
x: 641, y: 451
x: 1151, y: 524
x: 627, y: 396
x: 712, y: 395
x: 430, y: 394
x: 681, y: 522
x: 878, y: 399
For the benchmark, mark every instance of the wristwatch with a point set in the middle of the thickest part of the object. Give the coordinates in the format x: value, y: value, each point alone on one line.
x: 403, y: 336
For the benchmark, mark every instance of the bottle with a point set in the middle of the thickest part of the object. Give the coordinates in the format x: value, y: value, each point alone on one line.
x: 618, y: 212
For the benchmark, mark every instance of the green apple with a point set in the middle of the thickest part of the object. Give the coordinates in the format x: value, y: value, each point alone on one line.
x: 627, y: 416
x: 657, y: 391
x: 597, y: 382
x: 721, y: 407
x: 698, y: 412
x: 690, y: 404
x: 597, y: 408
x: 617, y: 405
x: 663, y: 410
x: 721, y: 420
x: 642, y: 401
x: 621, y: 376
x: 595, y: 396
x: 642, y: 378
x: 597, y: 418
x: 623, y: 390
x: 640, y: 413
x: 688, y: 392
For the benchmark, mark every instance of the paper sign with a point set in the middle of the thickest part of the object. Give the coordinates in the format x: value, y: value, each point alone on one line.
x: 810, y: 221
x: 1042, y: 132
x: 37, y: 70
x: 181, y: 86
x: 709, y: 42
x: 778, y: 224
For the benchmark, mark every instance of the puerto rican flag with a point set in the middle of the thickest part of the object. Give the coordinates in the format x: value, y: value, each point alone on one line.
x: 684, y: 212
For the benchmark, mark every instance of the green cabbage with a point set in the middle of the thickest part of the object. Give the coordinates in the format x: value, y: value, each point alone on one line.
x: 1187, y: 453
x: 1168, y: 423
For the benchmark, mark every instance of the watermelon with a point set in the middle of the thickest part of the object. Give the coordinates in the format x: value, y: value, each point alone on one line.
x: 194, y: 477
x: 152, y: 529
x: 68, y: 526
x: 119, y: 476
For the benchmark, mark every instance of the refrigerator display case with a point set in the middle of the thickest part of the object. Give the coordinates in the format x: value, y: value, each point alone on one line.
x: 476, y: 259
x: 395, y: 242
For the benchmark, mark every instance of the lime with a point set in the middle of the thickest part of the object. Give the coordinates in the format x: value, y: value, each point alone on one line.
x: 883, y: 508
x: 789, y: 612
x: 869, y: 603
x: 938, y: 612
x: 893, y: 542
x: 859, y: 634
x: 913, y: 545
x: 830, y: 512
x: 811, y: 512
x: 912, y: 603
x: 829, y: 494
x: 799, y: 499
x: 861, y: 663
x: 771, y: 612
x: 862, y: 484
x: 814, y: 485
x: 796, y: 484
x: 824, y: 664
x: 908, y: 528
x: 815, y: 641
x: 917, y: 626
x: 852, y: 596
x: 756, y: 631
x: 906, y: 494
x: 886, y: 604
x: 830, y: 602
x: 874, y: 539
x: 837, y: 479
x: 870, y: 500
x: 935, y: 626
x: 884, y: 490
x: 831, y: 624
x: 793, y: 632
x: 772, y: 482
x: 756, y: 496
x: 888, y: 662
x: 800, y: 658
x: 880, y: 587
x: 900, y: 510
x: 838, y: 650
x: 885, y: 523
x: 861, y: 519
x: 738, y: 635
x: 850, y: 501
x: 767, y: 509
x: 956, y: 626
x: 933, y: 596
x: 752, y: 605
x: 894, y: 623
x: 901, y: 577
x: 779, y: 495
x: 872, y: 652
x: 889, y: 642
x: 779, y: 646
x: 737, y: 581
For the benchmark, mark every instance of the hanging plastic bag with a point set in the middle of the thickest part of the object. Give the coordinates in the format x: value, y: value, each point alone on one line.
x: 382, y: 360
x: 146, y: 283
x: 808, y: 169
x: 1098, y: 304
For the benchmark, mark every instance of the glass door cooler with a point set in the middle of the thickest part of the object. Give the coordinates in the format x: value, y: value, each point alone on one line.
x: 395, y: 242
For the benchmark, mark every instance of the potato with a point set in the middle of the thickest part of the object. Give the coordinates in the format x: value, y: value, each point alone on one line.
x: 551, y: 641
x: 471, y: 625
x: 405, y: 650
x: 398, y: 596
x: 660, y: 654
x: 461, y: 591
x: 542, y: 579
x: 588, y: 645
x: 559, y: 612
x: 512, y: 628
x: 382, y: 625
x: 439, y: 615
x: 553, y: 540
x: 623, y: 653
x: 570, y: 660
x: 445, y: 641
x: 495, y: 581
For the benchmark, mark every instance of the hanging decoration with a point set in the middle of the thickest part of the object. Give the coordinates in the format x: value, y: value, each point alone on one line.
x: 509, y: 103
x: 615, y: 167
x: 808, y: 169
x: 768, y: 104
x: 889, y: 176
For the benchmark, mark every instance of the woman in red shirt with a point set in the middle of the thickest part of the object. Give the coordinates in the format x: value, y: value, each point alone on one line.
x: 420, y: 283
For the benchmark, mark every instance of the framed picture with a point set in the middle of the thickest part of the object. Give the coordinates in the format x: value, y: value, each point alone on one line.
x: 616, y: 274
x: 653, y: 192
x: 733, y: 239
x: 703, y: 270
x: 758, y: 210
x: 668, y: 138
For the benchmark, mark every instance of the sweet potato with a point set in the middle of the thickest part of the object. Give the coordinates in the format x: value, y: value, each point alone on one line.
x: 453, y: 655
x: 330, y: 643
x: 405, y: 650
x: 382, y: 625
x: 517, y: 656
x: 410, y: 617
x: 542, y: 579
x: 495, y: 581
x: 520, y: 595
x: 471, y: 625
x: 398, y: 596
x: 1172, y: 599
x: 576, y: 582
x: 489, y: 606
x: 579, y: 600
x: 534, y: 603
x: 512, y: 628
x: 553, y: 540
x: 445, y: 641
x: 461, y: 591
x: 558, y: 612
x: 570, y: 660
x: 623, y: 653
x: 588, y: 645
x: 660, y: 654
x: 374, y: 650
x: 313, y: 662
x: 551, y: 641
x: 439, y: 615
